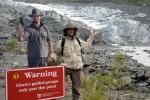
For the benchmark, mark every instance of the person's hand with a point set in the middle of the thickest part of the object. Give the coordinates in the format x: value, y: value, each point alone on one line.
x: 52, y: 57
x: 93, y: 32
x: 19, y: 32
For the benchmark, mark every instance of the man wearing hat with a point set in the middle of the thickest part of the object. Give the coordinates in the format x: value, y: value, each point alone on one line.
x: 71, y: 48
x: 39, y: 41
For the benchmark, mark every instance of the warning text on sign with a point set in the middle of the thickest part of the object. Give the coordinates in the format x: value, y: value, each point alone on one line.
x: 35, y: 83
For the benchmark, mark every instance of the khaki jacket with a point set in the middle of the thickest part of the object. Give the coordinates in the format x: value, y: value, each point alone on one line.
x: 72, y: 52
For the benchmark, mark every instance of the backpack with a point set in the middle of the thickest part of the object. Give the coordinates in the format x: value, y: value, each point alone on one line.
x: 63, y: 43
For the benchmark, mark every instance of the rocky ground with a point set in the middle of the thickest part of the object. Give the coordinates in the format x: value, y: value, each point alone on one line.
x: 97, y: 58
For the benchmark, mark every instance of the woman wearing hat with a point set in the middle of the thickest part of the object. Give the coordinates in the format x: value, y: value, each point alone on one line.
x: 71, y: 48
x: 39, y: 41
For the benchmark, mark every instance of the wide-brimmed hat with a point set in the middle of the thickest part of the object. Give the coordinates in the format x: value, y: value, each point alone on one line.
x: 36, y: 12
x: 70, y: 25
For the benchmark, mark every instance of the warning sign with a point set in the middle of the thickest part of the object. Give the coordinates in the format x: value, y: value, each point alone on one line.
x: 41, y: 83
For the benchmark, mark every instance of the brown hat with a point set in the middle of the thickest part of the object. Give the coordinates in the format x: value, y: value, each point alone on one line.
x: 68, y: 26
x: 36, y: 12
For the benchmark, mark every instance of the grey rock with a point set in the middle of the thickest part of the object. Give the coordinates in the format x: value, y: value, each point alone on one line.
x: 147, y: 74
x: 91, y: 69
x: 144, y: 84
x: 148, y: 80
x: 148, y: 51
x: 2, y: 83
x: 141, y: 73
x: 133, y: 76
x: 2, y: 75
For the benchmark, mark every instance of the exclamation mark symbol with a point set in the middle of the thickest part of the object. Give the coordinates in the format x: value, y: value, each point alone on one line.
x: 16, y: 76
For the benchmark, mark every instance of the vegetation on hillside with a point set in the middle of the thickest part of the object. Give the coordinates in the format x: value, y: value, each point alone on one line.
x: 97, y: 86
x: 14, y: 46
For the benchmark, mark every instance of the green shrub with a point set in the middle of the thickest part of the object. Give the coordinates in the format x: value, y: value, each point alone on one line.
x: 118, y: 73
x: 93, y: 86
x: 11, y: 45
x: 14, y: 46
x: 148, y: 91
x: 118, y: 67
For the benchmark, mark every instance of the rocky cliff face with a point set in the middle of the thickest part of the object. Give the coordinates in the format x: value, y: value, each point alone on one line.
x: 12, y: 13
x: 123, y: 24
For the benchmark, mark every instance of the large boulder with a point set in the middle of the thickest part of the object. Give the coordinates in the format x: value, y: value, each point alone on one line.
x: 147, y: 73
